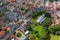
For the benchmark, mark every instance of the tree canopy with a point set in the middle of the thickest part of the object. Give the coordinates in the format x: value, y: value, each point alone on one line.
x: 46, y: 22
x: 54, y: 29
x: 53, y: 0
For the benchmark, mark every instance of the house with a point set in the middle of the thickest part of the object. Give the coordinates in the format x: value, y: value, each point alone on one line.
x: 19, y: 1
x: 8, y: 28
x: 41, y: 19
x: 1, y: 0
x: 12, y: 15
x: 1, y: 8
x: 58, y: 14
x: 27, y: 15
x: 58, y: 2
x: 11, y: 8
x: 12, y: 0
x: 3, y: 24
x: 47, y: 3
x: 3, y: 28
x: 11, y: 37
x: 0, y: 19
x: 2, y: 33
x: 39, y: 1
x: 25, y: 24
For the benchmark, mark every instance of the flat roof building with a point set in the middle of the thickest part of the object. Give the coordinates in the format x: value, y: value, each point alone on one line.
x: 41, y: 19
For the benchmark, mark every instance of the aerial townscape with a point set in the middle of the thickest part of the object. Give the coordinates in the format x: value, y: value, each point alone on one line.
x: 29, y: 19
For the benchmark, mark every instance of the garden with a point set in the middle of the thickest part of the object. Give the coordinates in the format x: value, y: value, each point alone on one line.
x: 43, y: 31
x: 39, y: 31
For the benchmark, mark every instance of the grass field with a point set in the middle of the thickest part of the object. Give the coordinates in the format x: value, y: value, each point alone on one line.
x: 39, y: 29
x: 54, y: 37
x: 36, y: 27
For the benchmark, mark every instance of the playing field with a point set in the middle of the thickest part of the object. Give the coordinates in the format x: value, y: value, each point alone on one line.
x: 53, y: 37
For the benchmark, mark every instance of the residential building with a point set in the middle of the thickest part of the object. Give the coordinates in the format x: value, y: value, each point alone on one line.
x: 11, y: 37
x: 1, y: 8
x: 2, y: 33
x: 8, y: 28
x: 19, y: 1
x: 47, y: 3
x: 12, y: 0
x: 3, y: 28
x: 27, y: 15
x: 58, y: 14
x: 1, y: 0
x: 11, y: 8
x: 12, y: 15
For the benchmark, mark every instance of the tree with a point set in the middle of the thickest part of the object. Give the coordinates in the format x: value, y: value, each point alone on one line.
x: 1, y: 14
x: 46, y: 22
x: 51, y: 30
x: 19, y: 34
x: 54, y: 29
x: 6, y: 31
x: 5, y: 10
x: 57, y: 33
x: 29, y: 28
x: 7, y: 20
x: 14, y: 33
x: 48, y: 15
x: 53, y: 0
x: 36, y: 14
x: 45, y: 35
x: 22, y: 9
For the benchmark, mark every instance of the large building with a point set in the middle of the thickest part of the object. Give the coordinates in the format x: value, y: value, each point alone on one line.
x: 41, y: 19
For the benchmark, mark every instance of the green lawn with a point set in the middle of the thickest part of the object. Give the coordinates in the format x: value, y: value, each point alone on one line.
x: 19, y: 34
x: 54, y: 37
x: 36, y: 27
x: 39, y: 29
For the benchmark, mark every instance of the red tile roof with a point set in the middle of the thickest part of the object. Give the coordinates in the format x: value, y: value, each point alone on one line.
x: 3, y: 24
x: 2, y: 33
x: 3, y: 28
x: 11, y: 36
x: 12, y: 0
x: 27, y: 15
x: 0, y: 19
x: 8, y: 28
